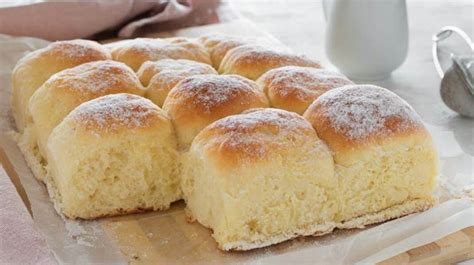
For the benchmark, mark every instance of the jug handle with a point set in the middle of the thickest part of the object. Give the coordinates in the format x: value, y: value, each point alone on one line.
x: 441, y: 35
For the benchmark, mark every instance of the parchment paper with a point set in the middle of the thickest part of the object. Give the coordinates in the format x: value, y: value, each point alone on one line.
x: 165, y: 237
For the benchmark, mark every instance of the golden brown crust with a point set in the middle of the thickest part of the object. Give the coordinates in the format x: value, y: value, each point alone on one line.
x: 219, y: 52
x: 72, y: 52
x: 199, y: 51
x: 113, y: 113
x: 161, y: 76
x: 137, y: 51
x: 294, y: 88
x: 211, y: 40
x: 357, y: 115
x: 90, y: 80
x: 36, y: 67
x: 219, y: 45
x: 254, y: 135
x: 201, y: 99
x: 151, y: 68
x: 252, y: 61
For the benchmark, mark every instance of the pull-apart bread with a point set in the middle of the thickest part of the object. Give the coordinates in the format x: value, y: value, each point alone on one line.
x: 262, y: 144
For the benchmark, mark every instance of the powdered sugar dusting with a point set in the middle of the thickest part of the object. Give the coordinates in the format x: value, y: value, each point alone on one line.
x: 359, y: 111
x: 284, y: 120
x: 111, y: 112
x: 171, y: 67
x: 303, y: 82
x: 177, y: 65
x: 96, y: 77
x: 147, y: 49
x: 256, y: 132
x: 80, y: 49
x: 209, y: 91
x: 251, y: 54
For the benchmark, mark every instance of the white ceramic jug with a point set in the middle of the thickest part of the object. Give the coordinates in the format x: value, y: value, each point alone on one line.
x: 366, y: 39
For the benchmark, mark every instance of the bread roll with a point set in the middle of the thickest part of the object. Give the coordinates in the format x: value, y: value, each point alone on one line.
x: 36, y: 67
x: 201, y: 99
x: 113, y: 155
x: 219, y: 45
x: 271, y: 178
x: 66, y: 90
x: 161, y: 76
x: 200, y: 52
x: 137, y: 51
x: 252, y: 61
x: 294, y: 88
x: 384, y: 157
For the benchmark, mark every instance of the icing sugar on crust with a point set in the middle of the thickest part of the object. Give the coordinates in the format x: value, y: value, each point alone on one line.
x: 137, y: 51
x: 255, y: 133
x: 361, y: 111
x: 301, y: 83
x: 193, y: 45
x: 83, y: 50
x: 206, y: 93
x: 111, y: 113
x: 96, y: 78
x: 181, y: 67
x: 219, y: 45
x: 253, y: 60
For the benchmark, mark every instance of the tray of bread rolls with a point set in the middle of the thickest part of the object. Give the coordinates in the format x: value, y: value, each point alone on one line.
x: 211, y: 148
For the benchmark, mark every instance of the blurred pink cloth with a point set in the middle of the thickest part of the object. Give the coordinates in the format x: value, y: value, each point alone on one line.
x: 20, y: 243
x: 80, y: 19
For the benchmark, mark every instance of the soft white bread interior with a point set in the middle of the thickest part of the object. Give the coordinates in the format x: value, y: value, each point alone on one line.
x: 63, y: 92
x: 113, y: 155
x: 161, y: 76
x: 384, y: 157
x: 272, y: 179
x: 199, y: 100
x: 36, y: 67
x: 294, y: 88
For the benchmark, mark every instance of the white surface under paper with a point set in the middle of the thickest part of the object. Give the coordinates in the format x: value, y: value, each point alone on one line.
x: 168, y: 238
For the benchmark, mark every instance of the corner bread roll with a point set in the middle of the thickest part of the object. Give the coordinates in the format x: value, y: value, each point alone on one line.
x: 63, y: 92
x: 66, y: 90
x: 113, y: 155
x: 137, y: 51
x: 252, y: 61
x: 385, y: 159
x: 161, y: 76
x: 260, y: 178
x: 36, y: 67
x: 199, y: 100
